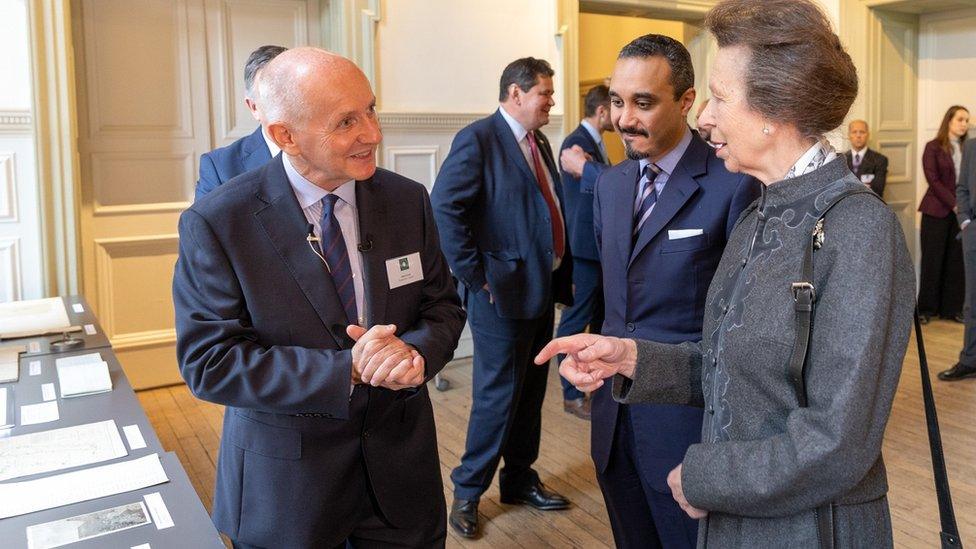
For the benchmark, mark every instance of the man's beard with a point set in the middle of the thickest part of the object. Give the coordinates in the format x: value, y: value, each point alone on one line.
x: 632, y: 153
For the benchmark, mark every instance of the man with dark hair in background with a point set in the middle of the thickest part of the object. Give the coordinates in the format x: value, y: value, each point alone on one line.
x: 499, y: 207
x: 662, y: 219
x: 583, y: 157
x: 253, y: 151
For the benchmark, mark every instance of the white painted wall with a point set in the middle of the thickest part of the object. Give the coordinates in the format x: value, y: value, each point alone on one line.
x: 946, y: 57
x: 446, y: 56
x: 20, y: 235
x: 15, y: 92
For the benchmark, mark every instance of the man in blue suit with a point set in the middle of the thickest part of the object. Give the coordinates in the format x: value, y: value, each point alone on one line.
x: 328, y: 434
x: 499, y: 207
x: 661, y: 219
x: 247, y: 153
x: 586, y: 141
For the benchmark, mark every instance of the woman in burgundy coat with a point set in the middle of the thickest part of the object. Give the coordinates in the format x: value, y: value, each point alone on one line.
x: 941, y: 286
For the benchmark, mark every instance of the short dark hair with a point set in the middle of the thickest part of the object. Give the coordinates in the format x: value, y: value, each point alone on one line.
x: 597, y: 96
x: 798, y: 71
x: 256, y: 61
x: 650, y: 45
x: 524, y: 73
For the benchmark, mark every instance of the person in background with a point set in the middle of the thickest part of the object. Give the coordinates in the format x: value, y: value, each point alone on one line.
x: 252, y: 151
x: 780, y: 464
x: 583, y: 157
x: 499, y: 206
x: 941, y: 286
x: 966, y: 203
x: 869, y: 166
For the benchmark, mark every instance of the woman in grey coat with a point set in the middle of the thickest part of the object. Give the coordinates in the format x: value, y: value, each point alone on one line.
x: 771, y: 472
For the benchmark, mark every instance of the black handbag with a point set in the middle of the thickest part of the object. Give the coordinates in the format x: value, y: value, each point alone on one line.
x: 804, y: 299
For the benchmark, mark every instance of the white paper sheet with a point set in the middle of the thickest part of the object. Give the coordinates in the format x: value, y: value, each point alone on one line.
x: 10, y: 362
x: 141, y: 546
x: 34, y: 368
x: 58, y: 449
x: 58, y: 533
x: 25, y: 318
x: 4, y: 420
x: 134, y: 437
x: 90, y: 329
x: 45, y: 412
x: 158, y: 510
x: 47, y: 392
x: 77, y: 307
x: 18, y: 498
x: 83, y: 375
x: 34, y: 347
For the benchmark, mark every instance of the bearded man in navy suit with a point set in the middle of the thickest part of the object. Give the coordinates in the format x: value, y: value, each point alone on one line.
x: 661, y: 220
x: 252, y: 151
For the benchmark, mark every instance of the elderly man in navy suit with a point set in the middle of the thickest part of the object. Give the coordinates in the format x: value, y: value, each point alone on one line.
x: 661, y: 219
x: 499, y: 206
x: 583, y: 157
x: 255, y: 150
x: 313, y: 301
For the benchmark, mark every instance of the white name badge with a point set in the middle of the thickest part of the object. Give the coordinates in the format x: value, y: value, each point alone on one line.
x: 867, y: 178
x: 404, y: 270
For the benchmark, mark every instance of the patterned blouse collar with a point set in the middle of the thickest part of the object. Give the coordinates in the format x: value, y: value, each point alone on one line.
x: 828, y: 169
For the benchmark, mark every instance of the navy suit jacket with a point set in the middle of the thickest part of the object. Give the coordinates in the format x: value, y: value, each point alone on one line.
x: 221, y: 165
x: 260, y: 330
x: 657, y: 292
x: 494, y: 222
x: 579, y: 194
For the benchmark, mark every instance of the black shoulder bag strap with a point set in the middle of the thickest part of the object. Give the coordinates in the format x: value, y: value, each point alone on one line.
x: 804, y: 298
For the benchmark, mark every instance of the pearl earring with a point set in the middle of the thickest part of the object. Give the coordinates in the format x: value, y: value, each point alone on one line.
x: 765, y: 130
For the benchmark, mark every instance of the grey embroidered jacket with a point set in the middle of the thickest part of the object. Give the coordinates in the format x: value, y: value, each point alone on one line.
x: 765, y: 464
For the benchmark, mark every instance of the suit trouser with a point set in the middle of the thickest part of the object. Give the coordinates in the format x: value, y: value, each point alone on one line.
x: 941, y: 288
x: 640, y: 515
x: 587, y: 310
x: 968, y: 354
x: 506, y: 408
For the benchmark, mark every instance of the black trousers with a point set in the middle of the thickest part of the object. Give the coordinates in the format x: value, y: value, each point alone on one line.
x: 941, y: 286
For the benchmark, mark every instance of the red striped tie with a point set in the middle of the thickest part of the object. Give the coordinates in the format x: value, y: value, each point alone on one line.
x: 558, y: 232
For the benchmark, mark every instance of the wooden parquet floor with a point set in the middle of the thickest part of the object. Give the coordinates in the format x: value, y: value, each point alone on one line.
x: 192, y: 428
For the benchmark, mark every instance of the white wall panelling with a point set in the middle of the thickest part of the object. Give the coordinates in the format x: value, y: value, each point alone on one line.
x: 10, y: 283
x: 8, y: 188
x: 417, y: 163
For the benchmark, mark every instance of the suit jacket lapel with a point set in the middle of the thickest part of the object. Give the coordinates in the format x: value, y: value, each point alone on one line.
x: 511, y: 147
x: 372, y: 214
x: 681, y: 186
x: 284, y: 222
x: 255, y: 151
x: 593, y: 145
x: 623, y: 192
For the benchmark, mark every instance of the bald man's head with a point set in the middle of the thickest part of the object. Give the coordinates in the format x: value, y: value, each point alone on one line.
x: 857, y: 132
x: 321, y: 111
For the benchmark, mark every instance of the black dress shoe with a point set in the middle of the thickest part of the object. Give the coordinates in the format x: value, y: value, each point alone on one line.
x: 957, y: 372
x: 537, y: 496
x: 464, y: 518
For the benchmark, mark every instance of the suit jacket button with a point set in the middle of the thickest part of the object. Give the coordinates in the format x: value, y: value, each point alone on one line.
x: 630, y: 327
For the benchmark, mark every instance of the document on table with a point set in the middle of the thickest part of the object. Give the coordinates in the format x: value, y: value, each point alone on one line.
x: 32, y: 317
x: 58, y: 449
x: 6, y: 409
x: 83, y: 375
x: 19, y: 498
x: 45, y: 412
x: 10, y: 362
x: 90, y: 525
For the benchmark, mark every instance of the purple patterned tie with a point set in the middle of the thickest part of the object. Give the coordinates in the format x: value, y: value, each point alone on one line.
x: 646, y: 196
x: 334, y: 250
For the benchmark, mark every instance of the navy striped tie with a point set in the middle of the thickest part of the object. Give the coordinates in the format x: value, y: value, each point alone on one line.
x: 334, y: 250
x: 646, y: 196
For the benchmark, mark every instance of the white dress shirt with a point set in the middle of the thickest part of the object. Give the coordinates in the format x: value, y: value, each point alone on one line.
x: 272, y: 146
x: 523, y: 143
x: 598, y: 138
x: 310, y: 197
x: 667, y: 165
